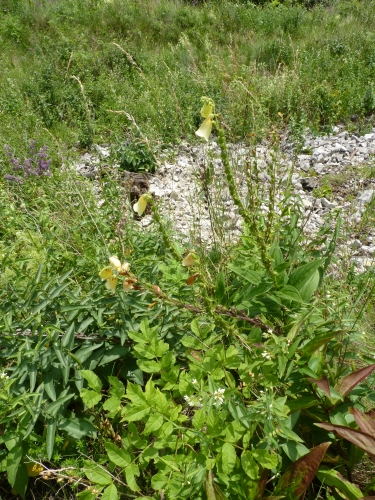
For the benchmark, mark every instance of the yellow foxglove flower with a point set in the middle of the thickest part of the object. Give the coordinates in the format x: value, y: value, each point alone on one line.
x: 34, y: 470
x: 206, y: 110
x: 111, y: 283
x: 141, y: 205
x: 190, y: 260
x: 125, y: 267
x: 115, y: 262
x: 205, y: 129
x: 106, y: 273
x: 128, y: 284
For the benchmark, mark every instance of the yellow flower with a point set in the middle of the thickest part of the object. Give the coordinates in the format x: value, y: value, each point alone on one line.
x: 125, y: 267
x: 34, y: 469
x: 106, y: 273
x: 128, y: 284
x: 190, y: 260
x: 115, y: 262
x: 206, y: 110
x: 205, y: 129
x: 111, y: 283
x: 141, y: 205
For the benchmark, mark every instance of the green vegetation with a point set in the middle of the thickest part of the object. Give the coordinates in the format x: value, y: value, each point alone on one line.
x: 133, y: 366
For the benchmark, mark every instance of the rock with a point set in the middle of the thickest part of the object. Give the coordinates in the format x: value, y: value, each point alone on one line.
x: 366, y: 197
x: 326, y: 203
x: 309, y: 183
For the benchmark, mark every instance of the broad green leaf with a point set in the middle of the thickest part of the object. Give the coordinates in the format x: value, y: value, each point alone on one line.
x: 110, y: 493
x: 199, y: 419
x: 306, y: 279
x: 249, y: 465
x: 130, y: 472
x: 88, y: 494
x: 85, y: 352
x: 117, y: 389
x: 96, y: 474
x: 115, y: 352
x: 265, y: 458
x: 161, y: 402
x: 134, y: 413
x: 135, y: 394
x: 149, y: 366
x: 90, y: 398
x: 159, y: 481
x: 228, y: 458
x: 154, y: 422
x: 294, y: 450
x: 112, y: 405
x: 77, y: 428
x: 17, y: 470
x: 150, y: 454
x: 117, y: 455
x: 289, y: 292
x: 331, y: 477
x: 92, y: 379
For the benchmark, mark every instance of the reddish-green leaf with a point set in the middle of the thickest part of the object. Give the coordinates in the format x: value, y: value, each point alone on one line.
x: 323, y: 385
x: 262, y: 483
x: 364, y: 422
x: 347, y: 383
x: 297, y: 477
x: 359, y: 438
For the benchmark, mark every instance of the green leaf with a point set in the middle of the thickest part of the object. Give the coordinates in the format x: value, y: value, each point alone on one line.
x: 306, y: 279
x: 289, y: 292
x: 135, y: 394
x: 67, y: 340
x: 92, y: 379
x: 159, y: 481
x: 199, y: 419
x: 88, y: 494
x: 220, y: 289
x: 112, y: 405
x: 154, y: 422
x: 90, y: 398
x: 54, y: 407
x: 134, y: 413
x: 17, y: 470
x: 96, y: 474
x: 228, y: 458
x: 265, y: 458
x: 130, y: 472
x: 149, y: 366
x: 117, y: 389
x: 110, y: 493
x: 113, y: 353
x: 50, y: 436
x: 77, y: 428
x: 49, y: 385
x: 117, y: 456
x: 150, y: 454
x: 249, y: 465
x: 331, y: 477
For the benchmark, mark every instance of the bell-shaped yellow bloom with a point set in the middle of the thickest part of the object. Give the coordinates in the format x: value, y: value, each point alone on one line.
x: 206, y: 110
x: 205, y: 129
x: 190, y: 260
x: 115, y: 262
x: 106, y: 273
x: 141, y: 205
x: 111, y: 283
x: 128, y: 284
x: 34, y: 470
x: 125, y: 267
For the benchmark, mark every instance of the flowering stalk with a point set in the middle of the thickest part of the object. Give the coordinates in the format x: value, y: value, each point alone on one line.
x: 167, y: 242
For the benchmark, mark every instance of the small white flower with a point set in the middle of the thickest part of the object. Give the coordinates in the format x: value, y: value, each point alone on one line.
x: 3, y: 375
x: 194, y: 381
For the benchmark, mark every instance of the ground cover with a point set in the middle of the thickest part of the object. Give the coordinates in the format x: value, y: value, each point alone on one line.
x: 137, y: 367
